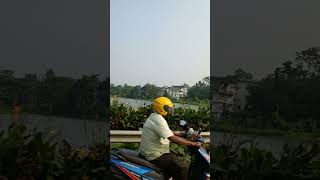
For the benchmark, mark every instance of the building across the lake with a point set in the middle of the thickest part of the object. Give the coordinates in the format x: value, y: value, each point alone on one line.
x: 229, y: 95
x: 176, y: 91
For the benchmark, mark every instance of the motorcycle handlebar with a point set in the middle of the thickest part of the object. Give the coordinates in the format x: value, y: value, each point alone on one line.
x: 199, y: 131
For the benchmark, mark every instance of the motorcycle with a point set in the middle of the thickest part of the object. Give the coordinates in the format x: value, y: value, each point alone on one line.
x: 127, y: 164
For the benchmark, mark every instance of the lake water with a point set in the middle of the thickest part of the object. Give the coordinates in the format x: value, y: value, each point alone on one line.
x: 83, y: 132
x: 78, y: 132
x: 136, y: 103
x: 273, y: 144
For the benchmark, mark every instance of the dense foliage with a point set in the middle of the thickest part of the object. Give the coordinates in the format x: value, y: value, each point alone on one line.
x: 201, y: 90
x: 53, y: 95
x: 291, y: 92
x: 232, y: 161
x: 287, y: 100
x: 148, y: 91
x: 126, y: 118
x: 29, y: 155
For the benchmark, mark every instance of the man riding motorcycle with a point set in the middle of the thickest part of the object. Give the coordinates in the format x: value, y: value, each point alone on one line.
x: 156, y: 137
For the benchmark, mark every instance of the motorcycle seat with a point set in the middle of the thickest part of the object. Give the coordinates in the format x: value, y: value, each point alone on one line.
x: 133, y: 156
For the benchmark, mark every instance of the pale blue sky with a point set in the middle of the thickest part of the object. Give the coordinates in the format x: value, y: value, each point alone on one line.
x: 163, y: 42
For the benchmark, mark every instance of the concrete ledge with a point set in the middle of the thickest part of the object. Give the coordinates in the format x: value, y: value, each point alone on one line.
x: 126, y: 136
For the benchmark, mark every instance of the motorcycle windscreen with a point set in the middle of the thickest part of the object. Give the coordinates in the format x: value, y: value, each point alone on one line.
x: 204, y: 154
x: 206, y: 176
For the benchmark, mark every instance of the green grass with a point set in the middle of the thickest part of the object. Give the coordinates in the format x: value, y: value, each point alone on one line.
x: 270, y: 132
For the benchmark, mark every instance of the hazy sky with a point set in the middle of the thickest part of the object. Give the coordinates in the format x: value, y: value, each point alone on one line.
x: 259, y: 35
x: 163, y: 42
x: 68, y: 36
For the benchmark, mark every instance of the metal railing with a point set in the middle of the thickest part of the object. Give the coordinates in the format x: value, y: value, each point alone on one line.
x: 125, y: 136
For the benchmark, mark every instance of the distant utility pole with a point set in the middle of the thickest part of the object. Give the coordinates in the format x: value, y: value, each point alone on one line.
x: 139, y: 92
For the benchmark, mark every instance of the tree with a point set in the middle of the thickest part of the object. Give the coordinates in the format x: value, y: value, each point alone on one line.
x: 85, y: 92
x: 240, y: 74
x: 135, y: 92
x: 47, y: 89
x: 201, y: 90
x: 7, y: 74
x: 310, y: 60
x: 150, y: 91
x: 206, y: 80
x: 292, y: 88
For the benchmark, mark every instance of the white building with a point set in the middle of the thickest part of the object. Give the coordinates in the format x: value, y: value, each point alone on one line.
x: 176, y: 91
x: 229, y: 96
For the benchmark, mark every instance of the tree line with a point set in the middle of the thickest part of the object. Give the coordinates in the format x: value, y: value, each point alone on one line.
x: 53, y: 95
x: 291, y: 93
x: 199, y: 91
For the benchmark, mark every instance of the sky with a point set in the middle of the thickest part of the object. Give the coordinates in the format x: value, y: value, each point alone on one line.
x: 259, y: 35
x: 163, y: 42
x: 68, y: 36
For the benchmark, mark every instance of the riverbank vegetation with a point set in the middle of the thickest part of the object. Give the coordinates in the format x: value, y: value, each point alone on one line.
x: 234, y: 161
x: 126, y: 118
x: 234, y: 126
x: 48, y: 94
x: 285, y: 102
x: 197, y: 94
x: 28, y: 155
x: 123, y: 117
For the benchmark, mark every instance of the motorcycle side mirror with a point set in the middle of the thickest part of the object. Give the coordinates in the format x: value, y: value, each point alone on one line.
x: 183, y: 123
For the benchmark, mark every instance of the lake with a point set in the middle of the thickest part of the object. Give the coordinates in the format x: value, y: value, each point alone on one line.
x: 84, y: 132
x: 78, y: 132
x: 273, y: 144
x: 136, y: 103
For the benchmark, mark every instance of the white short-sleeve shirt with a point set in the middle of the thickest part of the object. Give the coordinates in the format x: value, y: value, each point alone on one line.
x: 154, y: 139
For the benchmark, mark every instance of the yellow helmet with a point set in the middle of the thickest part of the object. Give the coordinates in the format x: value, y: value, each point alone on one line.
x: 162, y: 105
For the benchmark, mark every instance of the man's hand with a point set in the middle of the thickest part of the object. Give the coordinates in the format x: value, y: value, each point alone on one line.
x: 193, y: 136
x: 198, y: 144
x: 182, y: 141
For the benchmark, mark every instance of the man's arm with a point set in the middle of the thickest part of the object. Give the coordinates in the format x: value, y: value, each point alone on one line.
x: 180, y: 134
x: 182, y: 141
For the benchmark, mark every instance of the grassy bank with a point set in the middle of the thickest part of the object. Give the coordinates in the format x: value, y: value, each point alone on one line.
x: 266, y: 127
x: 269, y: 132
x: 27, y: 155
